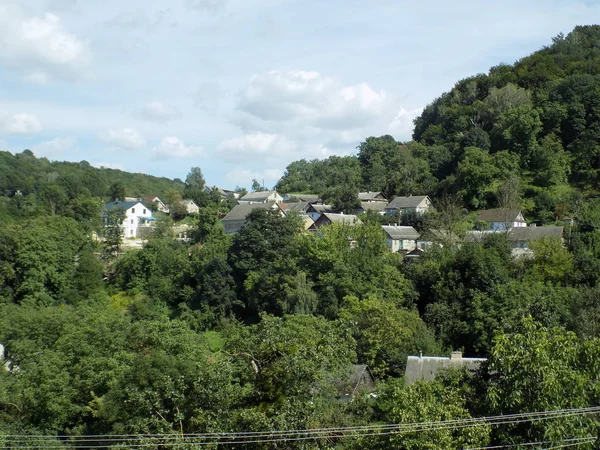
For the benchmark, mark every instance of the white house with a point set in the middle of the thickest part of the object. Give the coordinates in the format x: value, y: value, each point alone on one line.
x: 191, y: 206
x: 400, y: 239
x: 261, y: 197
x: 502, y: 219
x: 419, y: 204
x: 160, y: 205
x: 136, y: 215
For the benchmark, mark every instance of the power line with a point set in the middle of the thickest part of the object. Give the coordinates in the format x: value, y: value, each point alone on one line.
x: 231, y: 438
x: 528, y: 444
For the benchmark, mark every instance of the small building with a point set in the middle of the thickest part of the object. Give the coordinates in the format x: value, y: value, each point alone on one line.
x: 360, y: 379
x: 237, y: 217
x: 136, y: 215
x: 190, y: 206
x: 182, y: 232
x: 371, y: 197
x: 418, y: 204
x: 520, y: 237
x: 157, y: 203
x: 502, y: 219
x: 223, y: 193
x: 426, y: 368
x: 308, y: 198
x: 375, y: 207
x: 329, y: 218
x: 261, y: 197
x: 400, y: 238
x: 314, y: 211
x: 299, y: 207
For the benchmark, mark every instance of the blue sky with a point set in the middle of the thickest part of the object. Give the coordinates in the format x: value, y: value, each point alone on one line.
x: 241, y: 88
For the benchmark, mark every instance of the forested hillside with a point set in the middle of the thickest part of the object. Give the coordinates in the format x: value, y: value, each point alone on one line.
x: 178, y: 344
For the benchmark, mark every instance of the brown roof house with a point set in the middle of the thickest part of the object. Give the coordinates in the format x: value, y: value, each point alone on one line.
x: 236, y: 218
x: 419, y: 204
x: 427, y: 367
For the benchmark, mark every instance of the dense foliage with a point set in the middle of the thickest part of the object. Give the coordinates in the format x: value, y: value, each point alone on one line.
x: 259, y: 331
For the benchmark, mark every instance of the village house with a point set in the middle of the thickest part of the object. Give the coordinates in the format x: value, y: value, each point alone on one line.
x: 261, y: 197
x: 308, y: 198
x: 418, y: 204
x: 157, y: 203
x: 427, y: 367
x: 237, y: 217
x: 375, y: 207
x: 223, y: 193
x: 329, y: 218
x: 371, y: 197
x: 190, y: 206
x: 136, y: 215
x: 314, y: 211
x: 400, y: 238
x: 502, y: 219
x: 299, y: 207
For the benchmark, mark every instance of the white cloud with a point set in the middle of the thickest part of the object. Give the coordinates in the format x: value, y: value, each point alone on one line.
x: 208, y: 96
x: 255, y: 145
x: 244, y: 177
x: 206, y: 5
x: 158, y: 112
x: 123, y: 138
x: 41, y: 78
x: 3, y: 145
x: 39, y: 47
x: 54, y: 147
x: 21, y: 123
x: 105, y: 165
x: 173, y: 147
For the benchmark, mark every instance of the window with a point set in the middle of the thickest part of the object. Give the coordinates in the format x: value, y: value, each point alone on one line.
x: 144, y: 211
x: 131, y: 221
x: 132, y: 210
x: 131, y: 232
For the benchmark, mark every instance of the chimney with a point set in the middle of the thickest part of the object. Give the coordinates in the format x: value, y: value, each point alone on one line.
x: 342, y: 213
x: 420, y: 353
x: 457, y: 354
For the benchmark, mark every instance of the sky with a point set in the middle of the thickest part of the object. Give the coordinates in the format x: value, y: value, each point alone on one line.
x: 241, y: 88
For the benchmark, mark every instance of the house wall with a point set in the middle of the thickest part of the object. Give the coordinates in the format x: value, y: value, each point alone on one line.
x: 501, y: 226
x: 409, y: 245
x: 233, y: 226
x: 134, y: 218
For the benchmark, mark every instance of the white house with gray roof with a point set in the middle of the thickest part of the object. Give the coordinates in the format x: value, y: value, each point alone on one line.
x: 419, y: 204
x: 136, y: 215
x: 329, y: 218
x: 400, y: 238
x: 237, y: 217
x: 261, y: 197
x: 427, y: 367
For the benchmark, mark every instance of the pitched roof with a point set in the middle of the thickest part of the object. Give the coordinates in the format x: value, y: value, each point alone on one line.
x: 300, y: 207
x: 371, y: 196
x: 241, y: 211
x: 319, y: 208
x: 310, y: 198
x: 427, y: 367
x: 406, y: 202
x: 257, y: 196
x: 534, y: 233
x: 359, y: 378
x: 372, y: 206
x: 500, y: 215
x: 349, y: 219
x: 187, y: 201
x: 124, y: 205
x: 400, y: 232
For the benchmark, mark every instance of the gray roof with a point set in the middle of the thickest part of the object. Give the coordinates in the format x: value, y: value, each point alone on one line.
x: 241, y: 211
x: 406, y: 202
x: 519, y: 234
x: 349, y: 219
x: 300, y: 207
x: 499, y: 215
x: 257, y: 196
x: 124, y: 205
x: 359, y: 378
x: 372, y: 206
x: 399, y: 232
x: 534, y: 233
x: 187, y: 201
x: 310, y: 198
x: 371, y: 196
x: 319, y: 208
x: 427, y: 367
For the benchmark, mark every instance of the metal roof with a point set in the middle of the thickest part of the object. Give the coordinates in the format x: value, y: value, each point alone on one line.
x: 400, y: 232
x: 372, y: 196
x: 124, y: 205
x: 241, y: 211
x: 500, y: 215
x: 406, y: 202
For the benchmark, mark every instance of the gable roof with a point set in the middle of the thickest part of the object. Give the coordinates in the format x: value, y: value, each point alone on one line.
x: 349, y: 219
x: 372, y: 206
x: 534, y: 233
x: 241, y: 211
x: 500, y: 215
x: 371, y: 196
x: 257, y: 196
x: 427, y: 367
x: 300, y: 207
x: 400, y: 232
x: 411, y: 201
x: 359, y: 378
x: 125, y: 205
x: 319, y: 208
